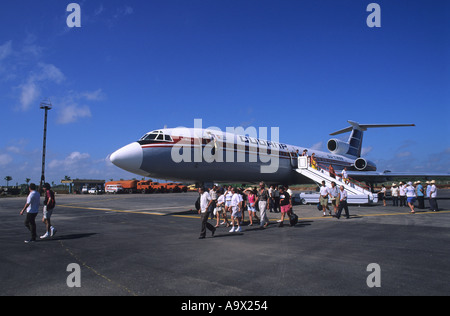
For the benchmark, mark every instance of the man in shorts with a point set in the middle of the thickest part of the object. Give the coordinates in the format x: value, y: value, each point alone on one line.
x: 236, y: 215
x: 334, y: 195
x: 324, y: 192
x: 49, y: 205
x: 411, y: 196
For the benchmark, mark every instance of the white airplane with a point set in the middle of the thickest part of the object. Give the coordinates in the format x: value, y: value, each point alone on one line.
x: 209, y: 155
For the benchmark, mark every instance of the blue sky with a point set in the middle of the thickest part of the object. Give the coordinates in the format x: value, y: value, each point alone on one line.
x: 304, y: 66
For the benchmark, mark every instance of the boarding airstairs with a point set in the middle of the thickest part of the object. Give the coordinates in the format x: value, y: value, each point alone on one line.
x: 357, y: 194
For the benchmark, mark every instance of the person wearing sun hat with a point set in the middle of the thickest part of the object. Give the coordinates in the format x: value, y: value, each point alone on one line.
x: 394, y: 193
x: 411, y: 196
x: 433, y: 197
x: 428, y: 190
x: 420, y: 194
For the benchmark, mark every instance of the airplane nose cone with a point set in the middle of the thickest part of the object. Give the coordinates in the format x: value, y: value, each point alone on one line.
x: 128, y: 158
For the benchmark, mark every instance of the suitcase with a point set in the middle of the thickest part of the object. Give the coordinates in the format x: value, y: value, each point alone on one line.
x: 293, y: 219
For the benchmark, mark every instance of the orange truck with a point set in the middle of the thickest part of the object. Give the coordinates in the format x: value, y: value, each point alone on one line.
x: 145, y: 186
x: 176, y: 187
x: 129, y: 186
x: 148, y: 186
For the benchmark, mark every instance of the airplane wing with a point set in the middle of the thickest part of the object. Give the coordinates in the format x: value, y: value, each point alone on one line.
x: 379, y: 177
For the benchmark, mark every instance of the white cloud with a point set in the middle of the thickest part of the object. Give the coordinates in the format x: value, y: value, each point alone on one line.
x: 49, y: 72
x: 124, y: 11
x: 317, y: 146
x: 99, y: 10
x: 366, y: 150
x: 96, y: 95
x: 81, y: 165
x: 71, y: 113
x: 74, y: 159
x: 5, y: 159
x: 30, y: 91
x: 13, y: 149
x: 5, y: 50
x: 128, y: 10
x: 73, y: 106
x: 403, y: 154
x: 407, y: 161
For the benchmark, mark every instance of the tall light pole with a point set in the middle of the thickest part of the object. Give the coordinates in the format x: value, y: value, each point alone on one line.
x: 45, y: 105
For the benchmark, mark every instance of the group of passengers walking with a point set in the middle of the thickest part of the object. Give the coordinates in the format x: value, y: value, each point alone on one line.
x: 338, y: 197
x: 406, y: 194
x: 32, y: 209
x: 221, y: 201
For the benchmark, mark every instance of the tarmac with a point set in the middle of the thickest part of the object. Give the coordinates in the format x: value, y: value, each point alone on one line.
x: 147, y: 245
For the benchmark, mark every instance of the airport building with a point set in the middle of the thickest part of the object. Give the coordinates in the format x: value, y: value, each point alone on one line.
x: 77, y: 185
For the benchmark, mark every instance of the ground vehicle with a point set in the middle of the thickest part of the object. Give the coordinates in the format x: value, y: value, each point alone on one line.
x: 175, y: 187
x: 192, y: 188
x: 114, y: 188
x: 145, y: 186
x: 93, y: 191
x: 158, y: 187
x: 148, y: 186
x: 128, y: 186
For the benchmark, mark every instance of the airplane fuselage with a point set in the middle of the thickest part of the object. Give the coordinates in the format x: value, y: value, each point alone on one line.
x: 198, y: 155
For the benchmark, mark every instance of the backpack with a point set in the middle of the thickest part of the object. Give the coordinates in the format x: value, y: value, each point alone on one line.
x: 197, y: 204
x: 51, y: 196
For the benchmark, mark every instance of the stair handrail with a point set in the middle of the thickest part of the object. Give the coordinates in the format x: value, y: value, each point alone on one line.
x: 356, y: 183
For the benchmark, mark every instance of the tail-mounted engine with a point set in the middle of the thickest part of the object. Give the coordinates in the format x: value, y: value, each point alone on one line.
x: 362, y: 164
x: 338, y: 147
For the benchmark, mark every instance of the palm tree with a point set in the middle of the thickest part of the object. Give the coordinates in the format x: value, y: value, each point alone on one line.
x: 8, y: 178
x: 67, y: 178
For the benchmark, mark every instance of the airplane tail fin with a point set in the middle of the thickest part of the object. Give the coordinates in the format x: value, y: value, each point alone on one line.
x: 353, y: 146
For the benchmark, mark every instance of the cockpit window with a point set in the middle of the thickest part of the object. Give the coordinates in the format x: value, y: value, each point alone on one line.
x: 150, y: 136
x: 156, y: 136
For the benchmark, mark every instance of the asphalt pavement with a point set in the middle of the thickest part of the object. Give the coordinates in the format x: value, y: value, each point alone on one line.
x: 147, y: 245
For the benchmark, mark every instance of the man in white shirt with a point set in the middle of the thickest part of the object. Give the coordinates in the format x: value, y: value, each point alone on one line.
x: 271, y: 201
x: 402, y: 193
x: 32, y: 208
x: 205, y: 202
x: 236, y: 215
x: 343, y: 203
x: 323, y: 200
x: 433, y: 197
x: 334, y: 193
x: 428, y: 188
x: 394, y: 193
